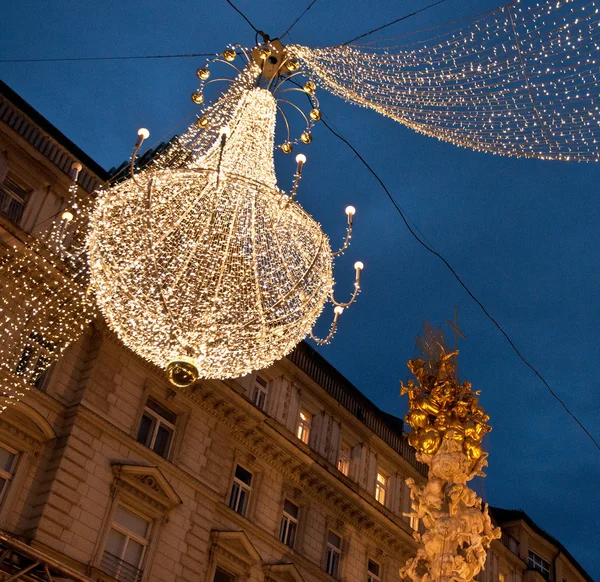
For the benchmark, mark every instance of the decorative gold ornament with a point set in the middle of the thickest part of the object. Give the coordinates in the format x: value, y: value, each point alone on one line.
x: 292, y: 65
x: 197, y: 98
x: 229, y: 55
x: 202, y: 121
x: 203, y: 74
x: 286, y: 148
x: 516, y: 81
x: 441, y: 412
x: 264, y: 54
x: 315, y: 114
x: 306, y: 137
x: 310, y: 87
x: 200, y: 261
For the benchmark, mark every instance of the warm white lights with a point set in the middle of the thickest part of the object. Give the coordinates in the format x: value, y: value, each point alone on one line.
x: 143, y: 133
x: 67, y: 216
x: 301, y: 159
x: 201, y: 264
x: 522, y: 80
x: 359, y: 266
x: 350, y: 211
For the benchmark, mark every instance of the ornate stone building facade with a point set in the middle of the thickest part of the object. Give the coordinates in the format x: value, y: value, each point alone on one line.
x: 107, y: 473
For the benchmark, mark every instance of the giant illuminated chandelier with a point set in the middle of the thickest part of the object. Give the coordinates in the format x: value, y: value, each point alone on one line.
x: 45, y: 303
x: 199, y: 262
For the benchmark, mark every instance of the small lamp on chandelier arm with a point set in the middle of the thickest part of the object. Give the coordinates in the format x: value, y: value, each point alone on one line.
x: 338, y: 310
x: 66, y: 216
x: 143, y: 134
x: 359, y: 267
x: 350, y: 211
x: 301, y: 159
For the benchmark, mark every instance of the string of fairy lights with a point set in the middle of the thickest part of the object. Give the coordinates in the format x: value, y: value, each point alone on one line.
x: 515, y: 81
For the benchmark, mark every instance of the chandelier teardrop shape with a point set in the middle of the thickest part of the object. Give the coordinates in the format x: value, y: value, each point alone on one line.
x: 208, y: 269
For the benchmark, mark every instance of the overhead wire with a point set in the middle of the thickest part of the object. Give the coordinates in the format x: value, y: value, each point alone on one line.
x: 264, y: 36
x: 289, y: 28
x: 406, y: 16
x: 462, y: 283
x: 120, y: 58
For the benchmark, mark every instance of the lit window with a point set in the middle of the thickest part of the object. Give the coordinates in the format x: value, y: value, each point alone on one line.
x: 8, y: 463
x: 381, y: 487
x: 157, y: 428
x: 373, y: 570
x: 126, y: 545
x: 223, y: 576
x: 35, y: 359
x: 13, y: 198
x: 538, y: 563
x: 304, y: 426
x: 261, y: 391
x: 414, y: 520
x: 240, y: 490
x: 501, y: 577
x: 334, y: 553
x: 289, y: 524
x: 345, y: 458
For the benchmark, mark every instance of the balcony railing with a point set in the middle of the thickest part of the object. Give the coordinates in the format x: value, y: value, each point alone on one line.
x: 120, y: 569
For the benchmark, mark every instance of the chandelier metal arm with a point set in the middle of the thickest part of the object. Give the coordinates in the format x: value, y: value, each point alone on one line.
x: 297, y: 108
x: 322, y: 341
x: 347, y: 303
x: 346, y: 241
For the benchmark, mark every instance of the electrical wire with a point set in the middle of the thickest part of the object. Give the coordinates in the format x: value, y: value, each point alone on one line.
x: 264, y: 36
x: 182, y: 56
x: 393, y: 22
x: 463, y: 285
x: 298, y: 19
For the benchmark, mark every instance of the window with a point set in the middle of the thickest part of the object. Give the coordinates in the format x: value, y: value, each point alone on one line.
x: 36, y: 358
x: 373, y: 569
x: 345, y: 458
x: 289, y: 524
x: 538, y: 563
x: 334, y: 553
x: 8, y: 463
x: 261, y: 391
x: 381, y: 487
x: 240, y: 490
x: 157, y: 428
x: 13, y: 198
x: 413, y: 520
x: 304, y: 426
x: 126, y: 545
x: 223, y: 576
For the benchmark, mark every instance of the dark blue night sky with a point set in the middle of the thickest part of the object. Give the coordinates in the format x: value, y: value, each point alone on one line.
x: 523, y: 234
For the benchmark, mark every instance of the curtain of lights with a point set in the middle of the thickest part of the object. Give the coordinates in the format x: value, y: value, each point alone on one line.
x: 516, y: 81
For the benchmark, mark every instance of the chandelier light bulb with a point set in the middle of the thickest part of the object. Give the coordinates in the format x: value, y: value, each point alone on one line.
x: 359, y: 266
x: 225, y: 132
x: 143, y: 133
x: 338, y: 310
x: 66, y: 216
x: 350, y: 211
x: 301, y: 159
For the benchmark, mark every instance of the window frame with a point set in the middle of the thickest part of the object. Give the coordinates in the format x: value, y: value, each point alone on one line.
x: 157, y: 420
x: 333, y: 555
x: 6, y: 194
x: 144, y: 542
x: 258, y: 390
x: 382, y: 487
x: 237, y: 483
x: 531, y: 564
x: 345, y: 461
x: 286, y: 520
x: 304, y: 427
x: 8, y: 476
x: 372, y: 576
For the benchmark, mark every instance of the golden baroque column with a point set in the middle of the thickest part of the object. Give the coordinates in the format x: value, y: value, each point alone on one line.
x: 447, y: 428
